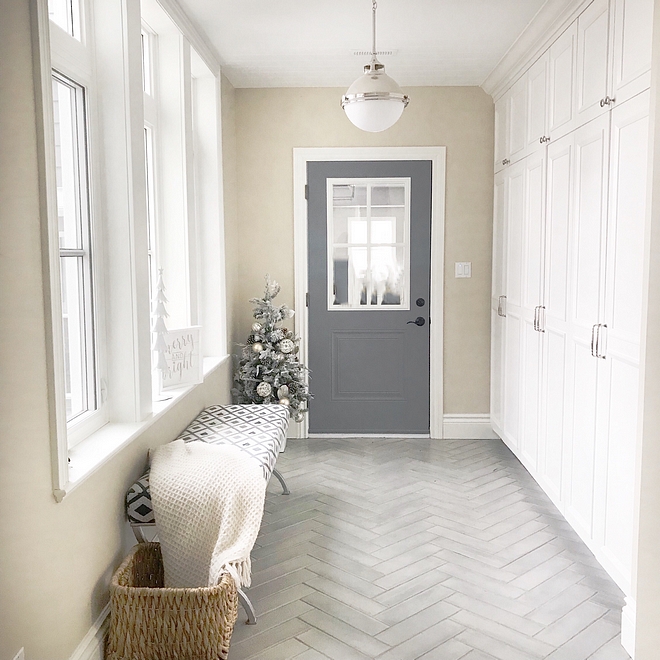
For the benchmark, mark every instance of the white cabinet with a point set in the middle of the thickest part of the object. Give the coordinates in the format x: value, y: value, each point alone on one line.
x: 518, y: 121
x: 537, y: 104
x: 568, y: 254
x: 561, y: 105
x: 501, y: 132
x: 592, y: 61
x: 620, y: 333
x: 631, y: 67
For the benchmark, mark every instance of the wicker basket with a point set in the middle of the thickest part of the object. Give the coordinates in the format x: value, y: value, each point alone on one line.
x: 150, y: 622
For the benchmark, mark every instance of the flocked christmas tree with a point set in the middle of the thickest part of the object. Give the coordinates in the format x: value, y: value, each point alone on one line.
x: 269, y: 370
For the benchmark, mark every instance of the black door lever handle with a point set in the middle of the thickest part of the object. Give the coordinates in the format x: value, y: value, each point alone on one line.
x: 418, y: 321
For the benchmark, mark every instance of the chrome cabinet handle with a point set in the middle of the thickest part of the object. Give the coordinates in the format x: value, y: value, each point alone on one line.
x: 506, y: 161
x: 541, y: 318
x: 600, y: 355
x: 500, y: 307
x: 606, y: 101
x: 593, y: 339
x: 536, y: 318
x: 544, y: 139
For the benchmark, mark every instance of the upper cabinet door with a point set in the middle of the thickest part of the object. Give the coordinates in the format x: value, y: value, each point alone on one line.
x: 501, y: 132
x: 562, y: 83
x: 537, y: 103
x: 518, y: 120
x: 633, y: 27
x: 592, y: 62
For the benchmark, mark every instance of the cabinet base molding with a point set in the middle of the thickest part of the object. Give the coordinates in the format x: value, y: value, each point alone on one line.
x: 468, y: 427
x: 91, y: 646
x: 628, y: 623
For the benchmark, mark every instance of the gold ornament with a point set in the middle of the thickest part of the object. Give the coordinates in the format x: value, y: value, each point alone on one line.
x: 284, y: 401
x: 257, y: 348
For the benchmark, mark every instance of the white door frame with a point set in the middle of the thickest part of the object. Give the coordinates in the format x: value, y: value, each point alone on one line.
x: 437, y: 155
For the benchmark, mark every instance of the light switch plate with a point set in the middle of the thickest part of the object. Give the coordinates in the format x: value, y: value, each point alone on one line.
x: 463, y: 269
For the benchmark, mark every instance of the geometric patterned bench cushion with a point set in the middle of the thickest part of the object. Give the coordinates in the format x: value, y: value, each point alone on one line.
x: 258, y: 429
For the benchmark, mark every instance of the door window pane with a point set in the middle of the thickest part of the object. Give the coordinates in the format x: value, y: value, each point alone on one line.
x: 368, y: 244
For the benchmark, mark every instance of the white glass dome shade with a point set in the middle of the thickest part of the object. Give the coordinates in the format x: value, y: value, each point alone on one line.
x: 374, y: 102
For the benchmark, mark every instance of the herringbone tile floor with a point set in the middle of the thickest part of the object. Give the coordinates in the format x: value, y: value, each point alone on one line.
x: 406, y: 549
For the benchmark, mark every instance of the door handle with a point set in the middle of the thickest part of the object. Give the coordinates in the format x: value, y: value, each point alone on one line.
x: 598, y: 354
x: 536, y: 319
x: 418, y: 321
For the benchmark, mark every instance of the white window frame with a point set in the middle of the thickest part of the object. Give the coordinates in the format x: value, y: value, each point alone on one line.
x: 107, y: 63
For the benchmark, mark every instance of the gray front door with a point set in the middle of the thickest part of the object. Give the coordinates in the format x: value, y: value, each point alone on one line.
x: 369, y: 258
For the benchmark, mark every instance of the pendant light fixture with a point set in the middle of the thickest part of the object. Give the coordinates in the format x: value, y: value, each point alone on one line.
x: 374, y: 102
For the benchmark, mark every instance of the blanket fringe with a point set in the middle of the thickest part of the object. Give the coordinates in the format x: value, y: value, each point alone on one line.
x: 240, y: 570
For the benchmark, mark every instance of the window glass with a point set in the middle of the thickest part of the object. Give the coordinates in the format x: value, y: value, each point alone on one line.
x: 368, y: 241
x: 66, y: 14
x: 74, y: 244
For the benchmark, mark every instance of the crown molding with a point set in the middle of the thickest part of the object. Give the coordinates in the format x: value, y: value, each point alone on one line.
x: 548, y: 23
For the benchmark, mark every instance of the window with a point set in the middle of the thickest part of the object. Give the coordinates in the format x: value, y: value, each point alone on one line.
x: 66, y: 14
x: 74, y: 232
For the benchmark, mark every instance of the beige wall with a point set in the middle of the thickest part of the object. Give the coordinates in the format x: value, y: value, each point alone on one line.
x: 55, y: 559
x: 271, y: 122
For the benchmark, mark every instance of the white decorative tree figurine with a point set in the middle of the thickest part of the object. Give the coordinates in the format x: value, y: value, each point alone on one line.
x: 269, y: 370
x: 159, y: 328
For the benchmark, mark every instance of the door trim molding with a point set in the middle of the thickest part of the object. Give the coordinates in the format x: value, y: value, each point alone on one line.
x: 438, y: 156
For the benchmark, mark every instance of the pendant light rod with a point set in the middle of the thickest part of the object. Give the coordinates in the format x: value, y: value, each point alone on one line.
x: 374, y: 6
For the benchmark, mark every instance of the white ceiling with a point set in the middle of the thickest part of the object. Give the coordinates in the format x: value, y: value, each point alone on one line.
x: 310, y: 43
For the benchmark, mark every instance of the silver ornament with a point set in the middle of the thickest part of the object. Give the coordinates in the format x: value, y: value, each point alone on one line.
x: 257, y: 348
x: 284, y: 401
x: 264, y: 389
x: 298, y: 417
x: 256, y: 327
x: 278, y: 356
x: 283, y: 391
x: 276, y: 335
x: 286, y: 346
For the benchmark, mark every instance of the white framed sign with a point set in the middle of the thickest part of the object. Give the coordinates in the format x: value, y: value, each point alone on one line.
x: 184, y: 358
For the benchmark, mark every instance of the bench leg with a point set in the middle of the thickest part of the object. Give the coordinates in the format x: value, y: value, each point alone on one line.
x: 280, y: 478
x: 247, y: 606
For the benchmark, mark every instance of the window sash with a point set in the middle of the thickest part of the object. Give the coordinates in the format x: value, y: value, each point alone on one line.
x: 75, y: 240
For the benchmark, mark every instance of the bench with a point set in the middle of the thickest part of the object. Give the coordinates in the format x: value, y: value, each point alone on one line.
x: 258, y: 430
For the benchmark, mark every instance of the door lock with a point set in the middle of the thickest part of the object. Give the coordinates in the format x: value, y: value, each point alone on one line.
x: 418, y: 321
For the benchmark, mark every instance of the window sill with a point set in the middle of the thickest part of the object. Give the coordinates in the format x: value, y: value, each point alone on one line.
x: 96, y: 450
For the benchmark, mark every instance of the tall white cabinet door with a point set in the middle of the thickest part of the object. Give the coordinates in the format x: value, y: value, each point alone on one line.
x: 498, y: 290
x: 620, y: 345
x: 562, y: 83
x: 518, y: 120
x: 501, y: 132
x: 633, y: 26
x: 532, y: 297
x: 559, y: 211
x: 515, y: 192
x: 587, y: 241
x: 537, y: 103
x: 592, y: 61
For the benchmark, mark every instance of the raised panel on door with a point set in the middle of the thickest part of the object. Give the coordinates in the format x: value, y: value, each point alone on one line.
x: 633, y: 36
x: 560, y: 167
x: 537, y: 103
x: 583, y: 373
x: 587, y: 242
x: 515, y: 212
x: 592, y: 61
x: 619, y: 370
x: 498, y: 290
x: 501, y: 131
x: 532, y: 298
x: 518, y: 120
x: 562, y: 83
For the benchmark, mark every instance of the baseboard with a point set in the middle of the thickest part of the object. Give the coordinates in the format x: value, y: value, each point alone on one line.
x: 628, y: 622
x: 468, y: 427
x: 91, y: 647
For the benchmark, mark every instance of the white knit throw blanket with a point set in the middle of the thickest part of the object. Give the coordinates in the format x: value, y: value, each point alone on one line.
x: 208, y: 503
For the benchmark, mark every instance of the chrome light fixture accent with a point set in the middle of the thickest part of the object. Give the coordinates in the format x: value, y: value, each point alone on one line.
x: 374, y: 102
